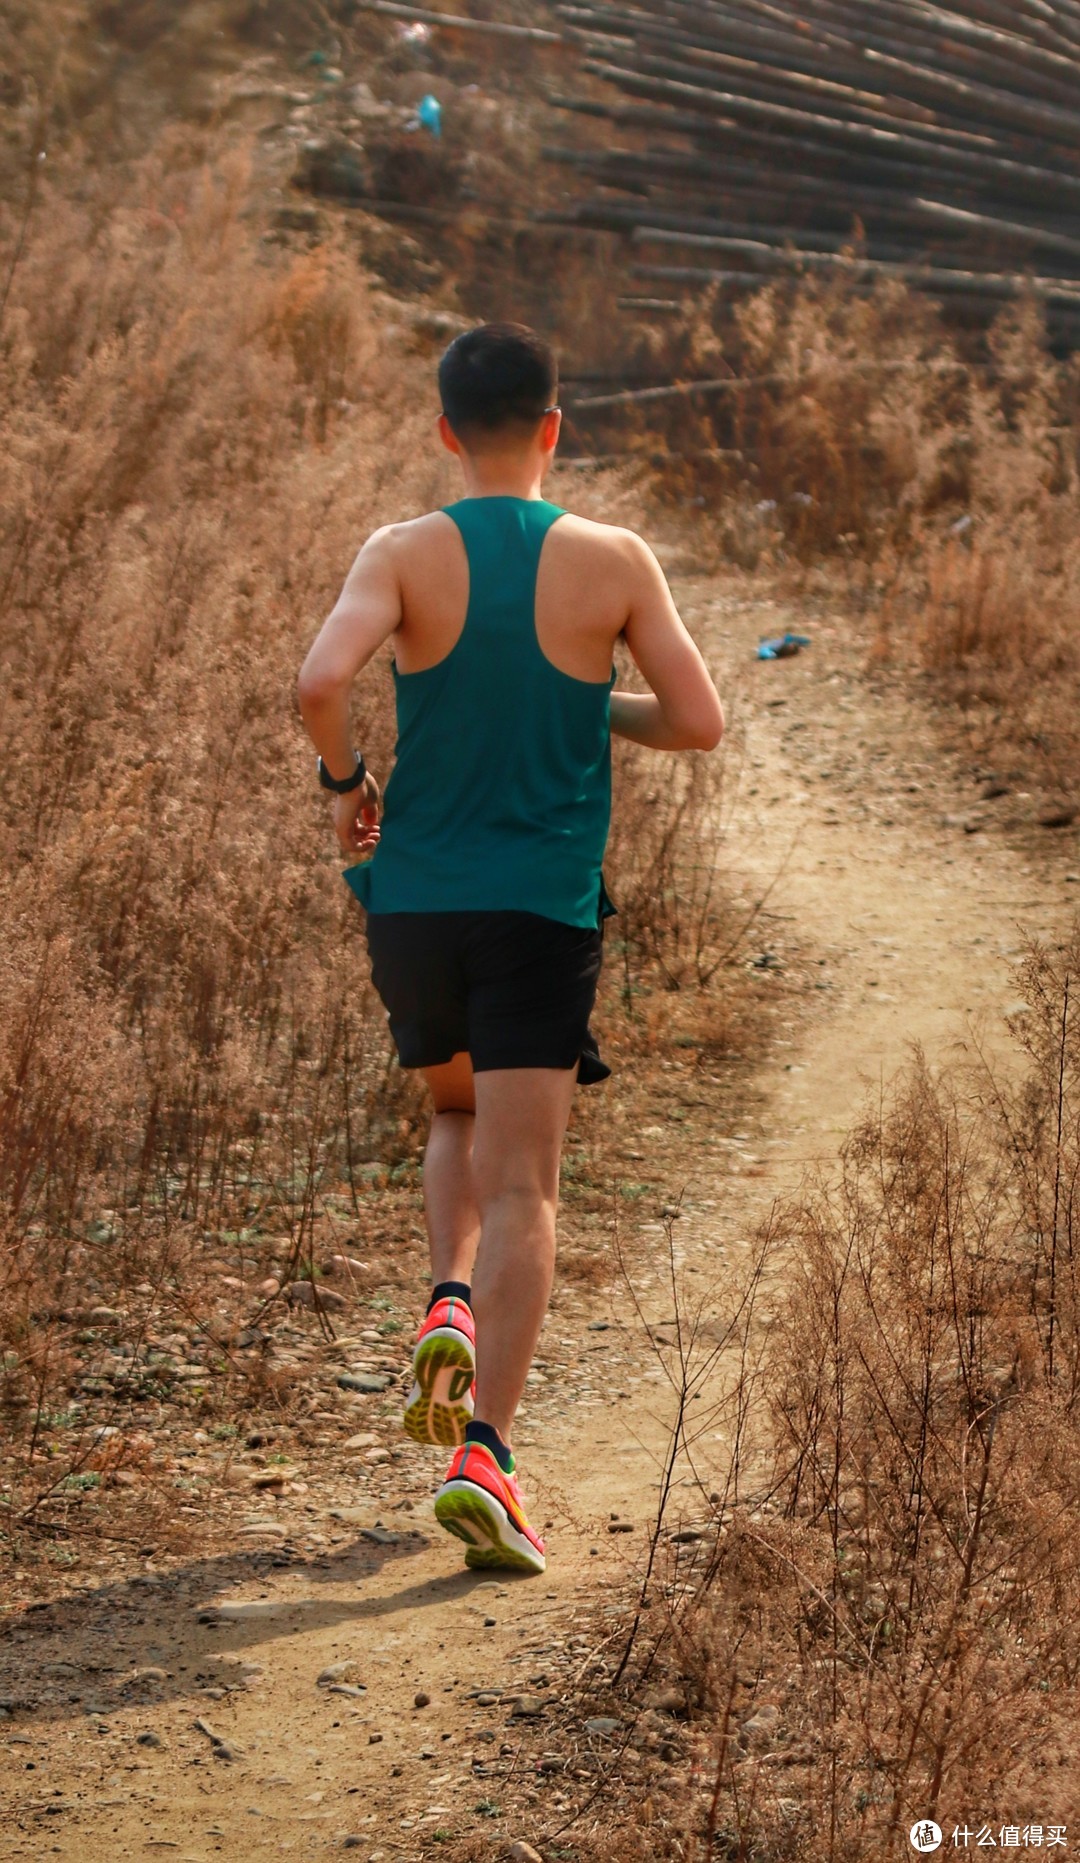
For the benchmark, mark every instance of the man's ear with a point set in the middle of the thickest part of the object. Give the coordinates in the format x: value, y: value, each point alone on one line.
x: 550, y: 433
x: 449, y: 437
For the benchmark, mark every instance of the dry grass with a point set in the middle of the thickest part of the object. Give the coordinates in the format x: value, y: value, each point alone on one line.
x: 196, y: 1085
x: 937, y: 481
x: 198, y: 431
x: 880, y: 1622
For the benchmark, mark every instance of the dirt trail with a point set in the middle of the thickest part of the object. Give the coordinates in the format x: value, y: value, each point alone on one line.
x: 897, y: 927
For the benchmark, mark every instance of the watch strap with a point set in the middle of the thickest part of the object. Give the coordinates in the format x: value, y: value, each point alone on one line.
x: 341, y: 785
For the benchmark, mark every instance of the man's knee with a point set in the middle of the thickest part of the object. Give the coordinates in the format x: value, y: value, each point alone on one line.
x: 521, y: 1119
x: 527, y: 1185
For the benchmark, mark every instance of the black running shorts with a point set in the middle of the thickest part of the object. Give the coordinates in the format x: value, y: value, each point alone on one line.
x: 511, y: 989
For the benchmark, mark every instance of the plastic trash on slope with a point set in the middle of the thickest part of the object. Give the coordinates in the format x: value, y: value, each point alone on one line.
x: 429, y: 114
x: 782, y: 646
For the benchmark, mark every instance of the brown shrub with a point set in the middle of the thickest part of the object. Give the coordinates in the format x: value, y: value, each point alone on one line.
x: 195, y: 441
x: 945, y: 480
x: 885, y: 1629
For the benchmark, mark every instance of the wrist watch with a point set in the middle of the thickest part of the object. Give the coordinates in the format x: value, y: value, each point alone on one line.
x: 342, y: 785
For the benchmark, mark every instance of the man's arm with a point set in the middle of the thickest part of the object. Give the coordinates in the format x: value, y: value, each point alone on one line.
x: 366, y: 613
x: 683, y: 709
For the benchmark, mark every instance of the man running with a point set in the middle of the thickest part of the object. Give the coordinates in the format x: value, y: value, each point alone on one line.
x: 484, y: 895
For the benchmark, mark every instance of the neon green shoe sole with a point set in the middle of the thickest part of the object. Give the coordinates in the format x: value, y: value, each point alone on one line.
x: 490, y: 1537
x: 440, y: 1402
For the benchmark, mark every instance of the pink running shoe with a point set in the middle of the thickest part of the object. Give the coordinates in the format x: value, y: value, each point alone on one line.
x: 484, y: 1507
x: 444, y: 1368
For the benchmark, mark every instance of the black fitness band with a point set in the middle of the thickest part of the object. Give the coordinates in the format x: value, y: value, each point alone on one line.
x: 342, y: 785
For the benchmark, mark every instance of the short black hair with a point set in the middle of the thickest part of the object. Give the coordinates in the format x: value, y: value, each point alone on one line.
x: 498, y: 375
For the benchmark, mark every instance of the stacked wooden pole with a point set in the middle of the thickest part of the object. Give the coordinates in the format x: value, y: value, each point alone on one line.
x: 938, y: 144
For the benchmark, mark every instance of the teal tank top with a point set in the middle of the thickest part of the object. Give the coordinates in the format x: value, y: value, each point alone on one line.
x: 500, y: 795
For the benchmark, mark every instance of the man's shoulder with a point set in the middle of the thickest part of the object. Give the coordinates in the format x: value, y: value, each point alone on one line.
x: 583, y: 542
x: 407, y: 533
x: 410, y: 544
x: 593, y: 535
x: 588, y: 547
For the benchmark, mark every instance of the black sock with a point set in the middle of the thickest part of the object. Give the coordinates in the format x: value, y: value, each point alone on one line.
x: 489, y: 1438
x: 450, y: 1290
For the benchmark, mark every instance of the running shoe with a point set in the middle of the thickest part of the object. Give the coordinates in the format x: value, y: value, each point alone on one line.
x: 444, y: 1367
x: 481, y: 1505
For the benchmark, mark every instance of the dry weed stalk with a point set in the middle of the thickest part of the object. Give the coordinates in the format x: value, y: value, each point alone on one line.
x: 874, y: 1616
x: 674, y: 923
x: 886, y: 1628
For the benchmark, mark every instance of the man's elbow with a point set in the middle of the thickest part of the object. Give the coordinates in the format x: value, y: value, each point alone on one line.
x: 707, y: 730
x: 315, y: 687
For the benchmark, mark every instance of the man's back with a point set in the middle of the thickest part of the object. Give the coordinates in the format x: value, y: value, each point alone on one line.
x: 501, y: 790
x: 594, y: 583
x: 588, y: 577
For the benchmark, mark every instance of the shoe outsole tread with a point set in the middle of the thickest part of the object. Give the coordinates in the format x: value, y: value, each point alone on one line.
x: 437, y: 1412
x: 476, y: 1517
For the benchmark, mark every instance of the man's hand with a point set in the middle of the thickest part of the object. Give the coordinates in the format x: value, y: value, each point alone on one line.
x: 356, y: 818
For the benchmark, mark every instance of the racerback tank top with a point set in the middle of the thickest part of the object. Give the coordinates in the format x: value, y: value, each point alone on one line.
x: 500, y: 795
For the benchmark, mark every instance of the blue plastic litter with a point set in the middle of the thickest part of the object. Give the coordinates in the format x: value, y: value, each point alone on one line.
x: 782, y: 646
x: 429, y: 113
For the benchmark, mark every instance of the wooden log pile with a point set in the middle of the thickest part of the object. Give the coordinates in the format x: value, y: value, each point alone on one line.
x: 750, y: 139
